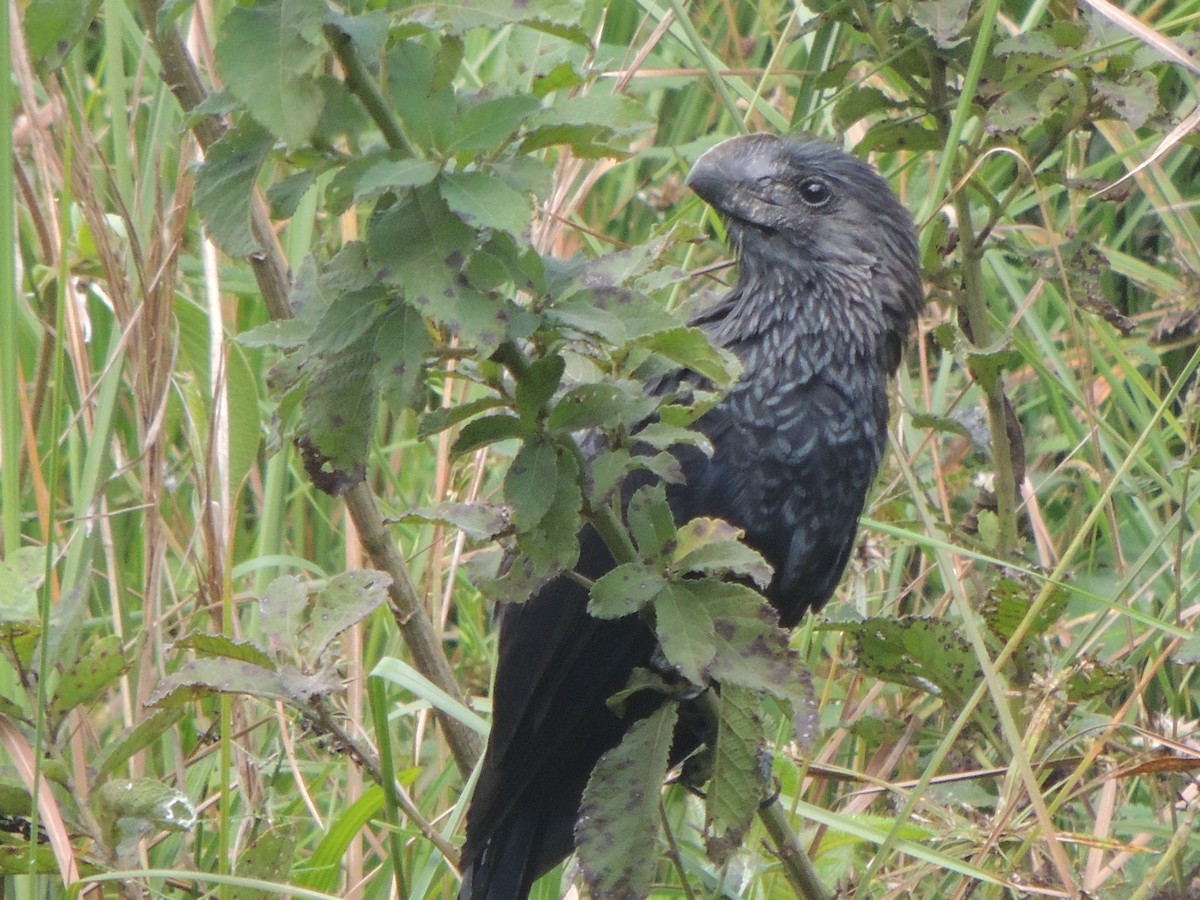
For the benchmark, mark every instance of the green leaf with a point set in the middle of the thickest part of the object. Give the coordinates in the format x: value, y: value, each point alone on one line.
x: 245, y: 425
x: 690, y: 348
x: 222, y: 646
x: 624, y: 590
x: 21, y: 573
x: 487, y: 430
x: 615, y: 113
x: 266, y: 54
x: 928, y: 654
x: 529, y: 484
x: 860, y: 103
x: 560, y: 18
x: 480, y: 521
x: 366, y: 178
x: 345, y: 600
x: 204, y: 677
x: 402, y: 343
x: 322, y: 869
x: 118, y: 750
x: 281, y: 616
x: 418, y: 89
x: 944, y: 20
x: 482, y: 200
x: 490, y: 124
x: 618, y: 816
x: 269, y: 858
x: 714, y: 547
x: 52, y: 28
x: 225, y: 185
x: 421, y: 247
x: 552, y: 546
x: 713, y: 629
x: 888, y: 136
x: 284, y: 196
x: 1009, y: 600
x: 739, y: 766
x: 436, y: 420
x: 1092, y: 678
x: 600, y: 405
x: 338, y: 410
x: 651, y: 522
x: 89, y: 676
x: 127, y: 811
x: 537, y: 385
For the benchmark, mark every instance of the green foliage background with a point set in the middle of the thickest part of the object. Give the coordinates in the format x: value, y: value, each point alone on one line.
x: 312, y: 300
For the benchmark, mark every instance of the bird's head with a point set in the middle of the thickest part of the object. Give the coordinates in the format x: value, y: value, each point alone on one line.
x: 823, y: 221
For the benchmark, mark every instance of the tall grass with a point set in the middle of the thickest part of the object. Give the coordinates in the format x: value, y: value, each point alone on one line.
x: 146, y: 493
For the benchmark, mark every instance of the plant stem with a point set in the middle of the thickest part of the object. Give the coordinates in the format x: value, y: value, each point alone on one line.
x: 274, y: 281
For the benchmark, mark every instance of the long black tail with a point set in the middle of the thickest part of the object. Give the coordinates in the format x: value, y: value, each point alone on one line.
x: 505, y: 866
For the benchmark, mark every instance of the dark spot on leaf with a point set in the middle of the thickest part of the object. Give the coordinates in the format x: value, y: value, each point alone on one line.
x: 454, y: 260
x: 724, y: 629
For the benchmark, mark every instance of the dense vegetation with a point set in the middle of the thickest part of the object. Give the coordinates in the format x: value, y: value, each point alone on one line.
x: 311, y: 300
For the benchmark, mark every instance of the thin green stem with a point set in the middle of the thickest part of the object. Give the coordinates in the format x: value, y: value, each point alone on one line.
x: 10, y: 408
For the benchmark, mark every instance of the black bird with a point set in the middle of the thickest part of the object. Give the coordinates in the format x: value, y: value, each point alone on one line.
x: 827, y: 293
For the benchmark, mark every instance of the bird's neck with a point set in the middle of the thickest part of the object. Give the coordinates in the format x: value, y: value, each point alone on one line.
x: 789, y: 325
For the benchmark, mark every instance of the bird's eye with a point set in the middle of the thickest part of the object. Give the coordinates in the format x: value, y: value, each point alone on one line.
x: 815, y: 192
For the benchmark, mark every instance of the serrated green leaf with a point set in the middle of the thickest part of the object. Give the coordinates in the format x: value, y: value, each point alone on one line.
x: 490, y: 124
x: 487, y: 430
x: 402, y: 343
x: 713, y: 547
x: 537, y: 385
x: 225, y: 185
x: 482, y: 200
x: 344, y: 601
x: 600, y: 404
x: 552, y: 546
x: 206, y: 643
x: 618, y: 816
x: 1092, y: 678
x: 368, y: 177
x: 530, y: 483
x: 717, y: 630
x: 422, y: 248
x: 1009, y: 600
x: 95, y: 670
x: 944, y: 20
x: 481, y: 521
x: 690, y: 348
x: 624, y: 590
x: 284, y: 196
x: 739, y: 765
x: 204, y: 677
x: 557, y: 17
x: 266, y: 54
x: 440, y: 419
x: 281, y: 615
x: 651, y: 522
x: 418, y: 91
x: 928, y: 654
x: 339, y: 406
